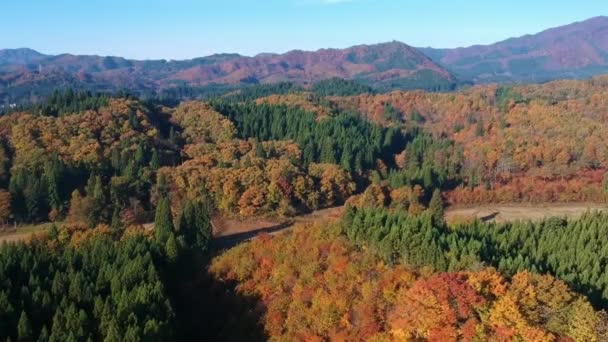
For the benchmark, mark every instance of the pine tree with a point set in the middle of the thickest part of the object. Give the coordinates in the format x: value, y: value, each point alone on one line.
x: 203, y: 226
x: 155, y: 160
x: 24, y: 329
x: 171, y: 249
x: 259, y: 150
x: 172, y: 136
x: 163, y: 220
x: 140, y: 155
x: 98, y: 202
x: 436, y: 206
x: 44, y: 335
x: 116, y: 223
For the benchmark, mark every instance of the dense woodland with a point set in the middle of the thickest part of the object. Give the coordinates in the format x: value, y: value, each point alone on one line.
x: 317, y: 285
x: 132, y: 186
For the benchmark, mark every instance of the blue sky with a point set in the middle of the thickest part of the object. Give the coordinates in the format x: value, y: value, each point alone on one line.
x: 177, y: 29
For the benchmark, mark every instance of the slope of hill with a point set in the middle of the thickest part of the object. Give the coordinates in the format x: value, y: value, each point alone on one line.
x: 577, y: 50
x: 387, y: 66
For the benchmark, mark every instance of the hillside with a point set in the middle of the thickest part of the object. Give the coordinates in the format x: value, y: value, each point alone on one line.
x: 386, y: 66
x: 313, y: 284
x: 114, y: 174
x: 578, y: 50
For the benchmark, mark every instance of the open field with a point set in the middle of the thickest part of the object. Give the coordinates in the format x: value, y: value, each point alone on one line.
x: 513, y: 212
x: 22, y: 232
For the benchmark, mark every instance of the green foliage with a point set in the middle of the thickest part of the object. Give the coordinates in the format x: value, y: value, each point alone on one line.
x: 69, y: 101
x: 325, y: 141
x: 507, y: 95
x: 340, y: 87
x: 262, y: 90
x: 575, y: 251
x: 391, y: 113
x: 431, y: 163
x: 436, y: 206
x: 163, y: 221
x: 100, y: 290
x: 195, y: 224
x: 24, y: 330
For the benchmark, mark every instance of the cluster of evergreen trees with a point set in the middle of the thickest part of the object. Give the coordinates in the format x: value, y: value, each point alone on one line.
x: 575, y: 251
x: 34, y: 192
x: 101, y: 290
x: 262, y: 90
x: 340, y: 87
x: 193, y: 230
x: 344, y: 139
x: 107, y: 286
x: 431, y: 163
x: 127, y: 175
x: 69, y: 101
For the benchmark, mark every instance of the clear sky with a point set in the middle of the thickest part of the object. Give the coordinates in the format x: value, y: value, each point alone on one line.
x: 178, y: 29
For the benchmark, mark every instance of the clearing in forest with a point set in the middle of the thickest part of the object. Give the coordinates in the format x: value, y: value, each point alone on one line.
x: 513, y: 212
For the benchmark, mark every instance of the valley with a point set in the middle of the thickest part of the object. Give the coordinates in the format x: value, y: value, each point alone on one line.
x: 377, y: 192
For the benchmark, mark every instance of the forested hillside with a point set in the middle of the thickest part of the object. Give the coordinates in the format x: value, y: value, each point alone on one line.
x: 132, y: 187
x: 316, y: 285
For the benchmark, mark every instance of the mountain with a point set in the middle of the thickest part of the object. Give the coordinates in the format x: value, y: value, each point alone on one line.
x: 19, y: 56
x: 578, y: 50
x: 386, y: 66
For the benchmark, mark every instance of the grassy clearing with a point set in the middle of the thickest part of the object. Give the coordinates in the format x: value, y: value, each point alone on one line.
x: 22, y: 232
x: 514, y: 212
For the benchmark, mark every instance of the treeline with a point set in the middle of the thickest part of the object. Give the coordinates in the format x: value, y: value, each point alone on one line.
x: 345, y: 139
x: 65, y: 101
x: 340, y: 87
x: 575, y: 251
x: 261, y: 90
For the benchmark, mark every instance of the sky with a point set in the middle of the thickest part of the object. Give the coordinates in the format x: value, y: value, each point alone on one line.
x: 182, y: 29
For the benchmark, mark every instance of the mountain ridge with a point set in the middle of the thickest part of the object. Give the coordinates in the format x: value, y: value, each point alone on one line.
x: 576, y: 50
x: 387, y: 65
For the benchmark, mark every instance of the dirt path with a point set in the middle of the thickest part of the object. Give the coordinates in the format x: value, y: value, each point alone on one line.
x: 514, y: 212
x: 228, y: 232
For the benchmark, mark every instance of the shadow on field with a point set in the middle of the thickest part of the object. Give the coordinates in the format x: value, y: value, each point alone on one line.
x: 225, y: 242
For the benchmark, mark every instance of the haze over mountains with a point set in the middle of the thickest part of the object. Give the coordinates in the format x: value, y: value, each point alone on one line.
x: 577, y: 50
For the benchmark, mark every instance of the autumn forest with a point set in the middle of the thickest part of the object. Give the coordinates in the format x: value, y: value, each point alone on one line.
x: 131, y: 189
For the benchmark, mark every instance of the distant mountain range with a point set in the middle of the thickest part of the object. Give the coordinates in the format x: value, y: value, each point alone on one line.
x: 574, y: 51
x: 578, y: 50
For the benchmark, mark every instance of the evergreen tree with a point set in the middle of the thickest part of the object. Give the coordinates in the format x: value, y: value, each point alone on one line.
x: 172, y: 136
x: 436, y: 206
x: 163, y: 219
x: 24, y: 329
x: 259, y: 150
x: 116, y: 223
x: 155, y: 160
x: 171, y: 249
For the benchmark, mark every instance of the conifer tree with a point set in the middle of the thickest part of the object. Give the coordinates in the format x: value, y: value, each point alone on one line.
x: 24, y: 329
x: 436, y: 206
x: 163, y: 219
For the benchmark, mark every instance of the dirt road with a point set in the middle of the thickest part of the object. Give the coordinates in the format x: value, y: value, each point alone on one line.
x: 514, y: 212
x: 230, y: 232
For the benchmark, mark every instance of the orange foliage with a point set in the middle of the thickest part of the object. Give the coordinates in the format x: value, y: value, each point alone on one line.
x: 584, y: 186
x: 316, y: 285
x: 550, y: 133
